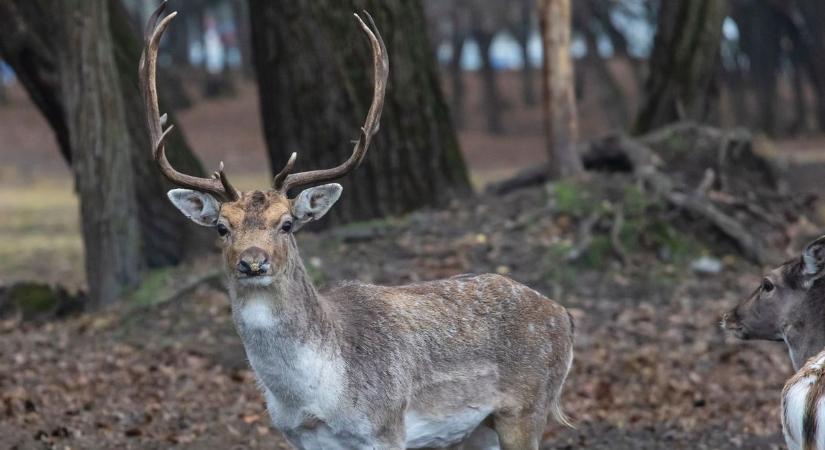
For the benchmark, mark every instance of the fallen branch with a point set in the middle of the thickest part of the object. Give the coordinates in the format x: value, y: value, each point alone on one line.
x: 615, y: 234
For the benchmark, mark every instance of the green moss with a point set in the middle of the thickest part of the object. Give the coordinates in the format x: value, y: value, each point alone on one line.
x: 153, y: 287
x: 33, y: 299
x: 570, y: 198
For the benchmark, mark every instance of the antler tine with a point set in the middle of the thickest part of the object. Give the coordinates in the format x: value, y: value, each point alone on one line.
x: 279, y: 179
x: 381, y: 69
x: 219, y: 185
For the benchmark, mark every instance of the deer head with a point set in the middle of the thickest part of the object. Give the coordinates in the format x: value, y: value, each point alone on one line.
x: 255, y: 227
x: 788, y: 305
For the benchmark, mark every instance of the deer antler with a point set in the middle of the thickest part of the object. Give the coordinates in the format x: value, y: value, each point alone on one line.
x: 218, y: 185
x: 284, y: 181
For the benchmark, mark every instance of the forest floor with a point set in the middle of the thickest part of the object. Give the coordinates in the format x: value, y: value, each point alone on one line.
x: 652, y: 369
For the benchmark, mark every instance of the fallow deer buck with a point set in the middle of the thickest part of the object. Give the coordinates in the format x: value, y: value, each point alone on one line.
x: 789, y: 306
x: 423, y: 365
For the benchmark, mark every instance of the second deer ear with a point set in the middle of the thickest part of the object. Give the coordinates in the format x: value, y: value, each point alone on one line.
x: 813, y: 259
x: 311, y: 204
x: 200, y: 207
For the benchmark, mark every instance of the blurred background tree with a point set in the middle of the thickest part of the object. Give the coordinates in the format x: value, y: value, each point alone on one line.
x: 315, y: 92
x: 682, y: 81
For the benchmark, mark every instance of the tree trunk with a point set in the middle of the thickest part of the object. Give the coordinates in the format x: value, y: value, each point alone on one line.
x: 167, y: 236
x: 683, y: 63
x: 612, y: 97
x: 561, y: 119
x: 98, y: 136
x: 760, y: 35
x: 483, y: 33
x: 812, y: 13
x: 528, y: 93
x: 240, y: 12
x: 29, y: 43
x: 601, y: 12
x: 458, y: 37
x: 492, y: 100
x: 314, y: 69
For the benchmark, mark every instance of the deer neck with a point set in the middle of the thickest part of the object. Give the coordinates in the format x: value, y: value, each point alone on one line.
x: 803, y: 344
x: 288, y: 308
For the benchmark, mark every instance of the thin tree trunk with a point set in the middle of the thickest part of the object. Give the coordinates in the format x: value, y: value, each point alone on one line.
x: 760, y: 37
x: 528, y: 93
x: 612, y: 97
x: 735, y: 81
x: 683, y: 64
x: 98, y: 137
x: 561, y: 117
x: 314, y: 70
x: 601, y: 12
x: 812, y: 13
x: 240, y: 11
x: 456, y: 71
x: 492, y: 99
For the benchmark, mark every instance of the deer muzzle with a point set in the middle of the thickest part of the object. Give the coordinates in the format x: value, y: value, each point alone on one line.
x: 253, y: 262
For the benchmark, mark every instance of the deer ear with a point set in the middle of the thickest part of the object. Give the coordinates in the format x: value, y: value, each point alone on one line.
x: 311, y: 204
x: 200, y: 207
x: 813, y: 259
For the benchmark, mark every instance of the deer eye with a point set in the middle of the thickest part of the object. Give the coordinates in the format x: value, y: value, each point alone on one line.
x: 222, y: 230
x: 286, y: 227
x: 767, y: 286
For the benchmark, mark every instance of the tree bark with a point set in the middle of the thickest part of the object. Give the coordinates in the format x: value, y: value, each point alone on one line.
x: 523, y: 33
x: 459, y: 35
x: 38, y: 55
x: 240, y: 12
x: 314, y: 69
x: 98, y: 136
x: 683, y: 64
x: 483, y: 34
x: 812, y: 14
x: 561, y: 117
x: 760, y: 35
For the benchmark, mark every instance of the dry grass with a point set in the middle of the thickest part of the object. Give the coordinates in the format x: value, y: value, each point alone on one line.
x: 40, y: 233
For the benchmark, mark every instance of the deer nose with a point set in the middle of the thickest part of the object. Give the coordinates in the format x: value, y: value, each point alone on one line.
x: 253, y: 262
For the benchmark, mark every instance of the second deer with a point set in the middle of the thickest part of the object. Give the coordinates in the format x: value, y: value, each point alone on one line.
x: 789, y: 306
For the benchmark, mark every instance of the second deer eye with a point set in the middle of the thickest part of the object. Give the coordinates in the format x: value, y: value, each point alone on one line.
x: 222, y: 230
x: 767, y: 285
x: 286, y: 227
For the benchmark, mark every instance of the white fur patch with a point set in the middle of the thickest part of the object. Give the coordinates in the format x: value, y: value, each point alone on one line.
x: 312, y: 379
x: 256, y: 313
x: 261, y: 281
x: 793, y: 409
x: 441, y: 431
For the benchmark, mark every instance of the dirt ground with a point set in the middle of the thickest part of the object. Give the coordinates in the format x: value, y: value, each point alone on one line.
x: 652, y: 368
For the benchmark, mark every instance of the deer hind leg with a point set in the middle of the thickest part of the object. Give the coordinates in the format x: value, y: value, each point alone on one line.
x: 519, y: 431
